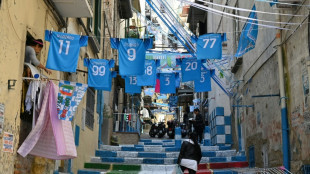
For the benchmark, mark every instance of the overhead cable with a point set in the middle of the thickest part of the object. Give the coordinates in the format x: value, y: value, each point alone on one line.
x: 247, y: 10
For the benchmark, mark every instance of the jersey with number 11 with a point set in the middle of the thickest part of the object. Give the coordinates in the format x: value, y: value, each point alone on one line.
x: 131, y: 54
x: 64, y: 50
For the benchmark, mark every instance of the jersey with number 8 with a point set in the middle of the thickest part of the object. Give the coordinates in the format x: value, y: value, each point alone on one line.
x: 149, y: 76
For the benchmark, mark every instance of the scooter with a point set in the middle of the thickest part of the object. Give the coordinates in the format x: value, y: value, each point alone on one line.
x: 171, y: 129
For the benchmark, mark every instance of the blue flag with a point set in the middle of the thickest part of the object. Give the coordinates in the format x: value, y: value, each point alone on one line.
x: 131, y: 85
x: 248, y: 35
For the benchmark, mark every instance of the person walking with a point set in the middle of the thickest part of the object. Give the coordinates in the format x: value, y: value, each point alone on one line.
x: 198, y: 125
x: 190, y: 154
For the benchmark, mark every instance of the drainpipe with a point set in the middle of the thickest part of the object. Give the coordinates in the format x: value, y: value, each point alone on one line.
x: 100, y: 105
x: 284, y: 119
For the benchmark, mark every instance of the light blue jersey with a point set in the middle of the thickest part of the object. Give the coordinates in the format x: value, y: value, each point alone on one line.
x: 131, y: 85
x: 149, y: 76
x: 209, y: 46
x: 112, y: 75
x: 167, y: 83
x: 191, y: 68
x: 64, y: 50
x: 204, y: 83
x: 131, y: 54
x: 99, y: 74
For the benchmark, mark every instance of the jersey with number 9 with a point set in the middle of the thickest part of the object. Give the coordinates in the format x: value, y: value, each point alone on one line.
x: 131, y: 54
x: 64, y: 50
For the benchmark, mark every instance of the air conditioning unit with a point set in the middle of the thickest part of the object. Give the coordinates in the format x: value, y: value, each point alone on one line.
x: 287, y: 3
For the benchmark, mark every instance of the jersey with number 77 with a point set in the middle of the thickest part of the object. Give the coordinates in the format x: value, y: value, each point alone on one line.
x: 131, y: 54
x: 64, y: 50
x: 209, y: 46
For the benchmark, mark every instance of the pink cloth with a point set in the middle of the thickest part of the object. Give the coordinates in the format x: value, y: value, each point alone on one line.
x: 157, y: 86
x: 50, y: 138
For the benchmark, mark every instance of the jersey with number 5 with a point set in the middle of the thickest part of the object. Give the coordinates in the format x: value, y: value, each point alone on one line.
x: 209, y: 46
x: 190, y: 69
x: 64, y: 50
x: 131, y: 54
x: 99, y: 73
x: 204, y: 83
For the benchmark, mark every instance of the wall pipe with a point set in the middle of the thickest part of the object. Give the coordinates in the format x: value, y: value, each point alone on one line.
x: 284, y: 119
x: 268, y: 95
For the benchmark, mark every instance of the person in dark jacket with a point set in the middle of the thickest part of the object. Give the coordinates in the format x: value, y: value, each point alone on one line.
x: 190, y: 154
x: 199, y: 125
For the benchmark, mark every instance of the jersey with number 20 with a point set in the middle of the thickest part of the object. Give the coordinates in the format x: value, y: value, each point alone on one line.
x: 64, y: 50
x: 131, y: 54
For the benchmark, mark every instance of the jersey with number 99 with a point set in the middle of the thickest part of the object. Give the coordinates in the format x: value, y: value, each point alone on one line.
x: 99, y: 73
x: 131, y: 54
x: 209, y: 46
x: 64, y: 50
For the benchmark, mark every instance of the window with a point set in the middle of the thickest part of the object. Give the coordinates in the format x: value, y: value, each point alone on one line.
x: 0, y: 3
x: 90, y: 105
x: 94, y: 24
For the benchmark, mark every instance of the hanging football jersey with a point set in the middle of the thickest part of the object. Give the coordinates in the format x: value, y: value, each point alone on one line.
x: 167, y: 83
x: 99, y: 74
x: 204, y: 83
x: 131, y: 54
x: 149, y: 76
x: 209, y: 46
x: 131, y: 85
x: 112, y: 75
x: 64, y: 50
x: 191, y: 68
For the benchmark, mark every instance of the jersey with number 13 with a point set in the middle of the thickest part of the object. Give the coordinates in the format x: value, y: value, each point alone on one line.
x: 131, y: 54
x: 64, y: 50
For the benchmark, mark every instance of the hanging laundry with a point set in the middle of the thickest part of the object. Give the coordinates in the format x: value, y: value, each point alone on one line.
x: 69, y: 97
x: 131, y: 85
x: 131, y: 54
x: 204, y: 83
x: 209, y: 46
x: 50, y: 138
x: 167, y: 83
x: 190, y: 68
x: 31, y: 94
x: 149, y: 76
x: 99, y: 74
x: 64, y: 50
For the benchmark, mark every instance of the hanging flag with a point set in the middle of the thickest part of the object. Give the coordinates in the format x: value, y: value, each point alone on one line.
x: 157, y: 86
x: 131, y: 85
x: 204, y: 83
x: 131, y: 54
x: 167, y: 83
x: 99, y: 74
x: 69, y: 97
x: 209, y: 46
x: 149, y: 76
x: 64, y: 50
x: 190, y: 69
x: 173, y: 101
x: 248, y: 35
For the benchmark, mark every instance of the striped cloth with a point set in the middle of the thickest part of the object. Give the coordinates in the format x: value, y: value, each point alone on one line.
x: 50, y: 138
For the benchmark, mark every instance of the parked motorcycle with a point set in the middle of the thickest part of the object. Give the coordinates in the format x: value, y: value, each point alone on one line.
x: 184, y: 130
x: 154, y: 130
x: 171, y: 129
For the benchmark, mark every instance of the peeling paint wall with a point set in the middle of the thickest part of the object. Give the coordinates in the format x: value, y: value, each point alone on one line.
x: 261, y: 125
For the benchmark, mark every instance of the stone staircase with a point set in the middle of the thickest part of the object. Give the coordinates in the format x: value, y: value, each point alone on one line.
x: 156, y: 156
